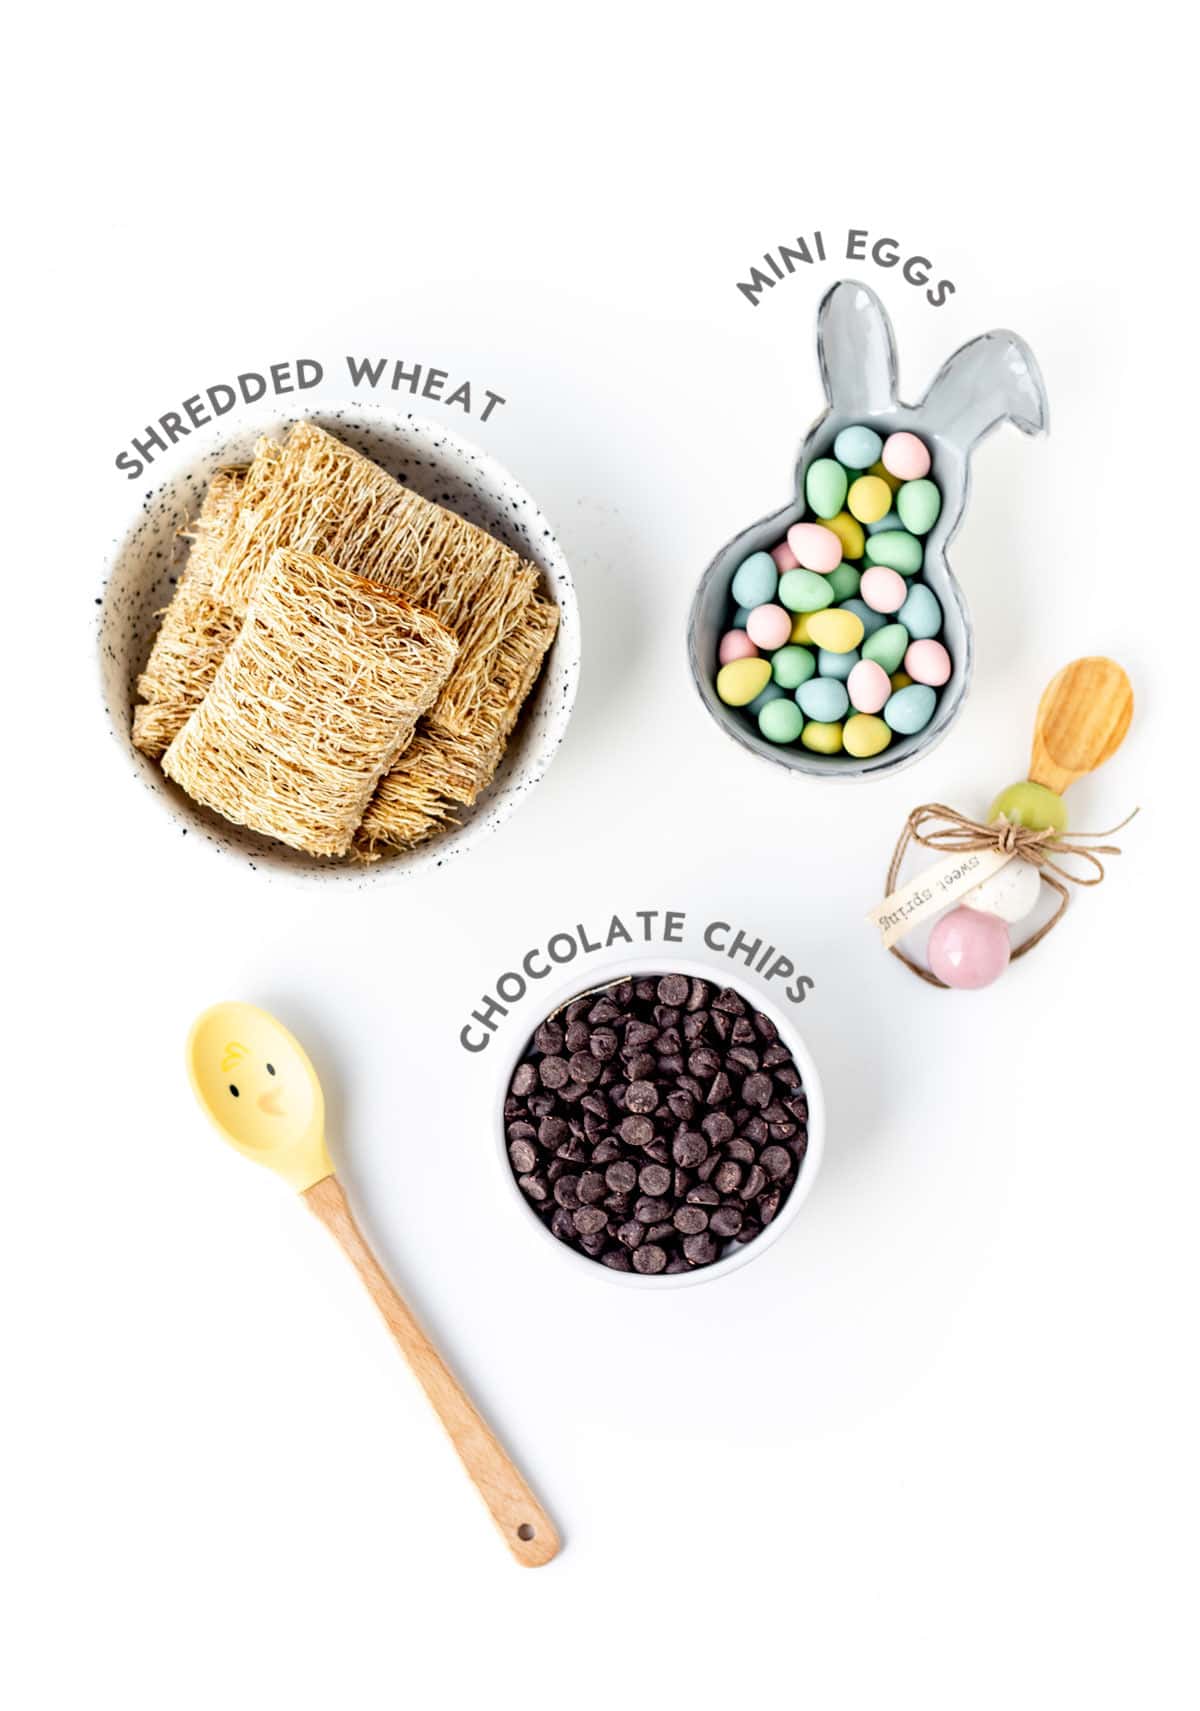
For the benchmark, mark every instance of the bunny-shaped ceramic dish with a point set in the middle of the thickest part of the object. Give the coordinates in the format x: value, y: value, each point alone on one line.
x: 992, y: 379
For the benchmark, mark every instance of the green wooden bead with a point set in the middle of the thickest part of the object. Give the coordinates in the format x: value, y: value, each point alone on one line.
x: 1030, y: 805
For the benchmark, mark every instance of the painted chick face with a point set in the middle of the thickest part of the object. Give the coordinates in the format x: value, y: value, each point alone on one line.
x: 246, y: 1073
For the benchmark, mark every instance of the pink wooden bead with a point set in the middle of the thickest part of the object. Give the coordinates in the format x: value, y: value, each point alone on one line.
x: 905, y: 456
x: 815, y: 548
x: 785, y: 558
x: 968, y: 950
x: 868, y: 687
x: 736, y: 644
x: 927, y: 662
x: 769, y: 627
x: 883, y: 590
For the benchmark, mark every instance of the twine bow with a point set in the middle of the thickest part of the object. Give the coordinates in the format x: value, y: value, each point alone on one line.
x: 954, y: 834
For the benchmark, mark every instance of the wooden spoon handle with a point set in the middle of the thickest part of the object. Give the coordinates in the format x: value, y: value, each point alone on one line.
x: 526, y: 1528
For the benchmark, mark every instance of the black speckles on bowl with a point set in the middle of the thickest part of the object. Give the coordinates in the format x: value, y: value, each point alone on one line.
x: 144, y: 567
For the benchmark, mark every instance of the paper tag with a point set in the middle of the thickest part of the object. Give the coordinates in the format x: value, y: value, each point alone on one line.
x: 933, y: 890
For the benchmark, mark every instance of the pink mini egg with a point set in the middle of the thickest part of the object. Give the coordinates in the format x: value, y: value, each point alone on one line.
x: 968, y: 950
x: 736, y: 644
x: 883, y: 590
x: 927, y: 662
x: 769, y: 627
x: 785, y: 558
x: 906, y: 456
x: 815, y: 548
x: 868, y: 686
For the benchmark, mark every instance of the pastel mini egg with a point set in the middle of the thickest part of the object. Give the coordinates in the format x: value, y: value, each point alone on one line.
x: 928, y: 662
x: 919, y: 503
x: 895, y: 482
x: 882, y: 527
x: 836, y: 665
x: 784, y: 558
x: 825, y: 487
x: 1012, y: 893
x: 741, y: 680
x: 869, y: 499
x: 869, y: 687
x: 822, y: 739
x: 871, y: 621
x: 864, y: 736
x: 823, y: 699
x: 739, y: 618
x: 815, y: 547
x: 837, y: 630
x: 781, y: 721
x: 906, y: 456
x: 769, y: 627
x: 849, y: 532
x: 968, y: 950
x: 804, y: 591
x: 800, y: 627
x: 1029, y: 804
x: 896, y: 549
x: 735, y: 644
x: 900, y: 680
x: 771, y: 693
x: 857, y: 447
x: 844, y: 581
x: 883, y: 590
x: 909, y: 710
x: 886, y: 647
x: 921, y: 613
x: 792, y: 666
x: 755, y: 581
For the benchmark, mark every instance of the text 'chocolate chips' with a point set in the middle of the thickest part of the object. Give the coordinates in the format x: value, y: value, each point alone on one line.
x: 650, y: 1149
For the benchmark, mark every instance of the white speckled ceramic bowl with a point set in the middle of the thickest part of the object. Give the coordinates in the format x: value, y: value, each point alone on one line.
x: 144, y: 565
x: 736, y: 1254
x: 990, y: 380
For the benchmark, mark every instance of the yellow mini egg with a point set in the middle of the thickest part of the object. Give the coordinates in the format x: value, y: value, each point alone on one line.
x: 850, y: 533
x: 836, y: 629
x: 900, y: 680
x: 869, y: 498
x: 822, y: 739
x: 894, y: 481
x: 865, y: 735
x: 742, y: 679
x: 800, y: 627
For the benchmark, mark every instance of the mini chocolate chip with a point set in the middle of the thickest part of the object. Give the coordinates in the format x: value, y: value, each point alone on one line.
x: 584, y: 1067
x: 756, y: 1089
x: 727, y: 1178
x: 730, y: 1001
x: 690, y: 1220
x: 755, y: 1130
x: 549, y: 1039
x: 654, y: 1179
x: 649, y: 1259
x: 748, y: 1231
x: 774, y: 1056
x: 720, y: 1090
x: 633, y: 1234
x: 637, y: 1131
x: 673, y: 989
x: 725, y: 1221
x: 681, y: 1105
x: 552, y: 1130
x: 703, y: 1195
x: 768, y: 1204
x: 577, y: 1036
x: 589, y: 1220
x: 605, y: 1150
x: 616, y: 1260
x: 554, y: 1072
x: 776, y: 1161
x: 740, y: 1149
x: 621, y: 1177
x: 642, y: 1096
x: 534, y: 1187
x: 524, y: 1079
x: 603, y: 1044
x: 591, y: 1187
x: 523, y: 1155
x: 700, y: 1250
x: 649, y: 1210
x: 661, y: 1233
x: 742, y: 1032
x: 743, y: 1058
x: 703, y: 1062
x: 718, y: 1126
x: 689, y: 1149
x: 566, y: 1192
x: 604, y: 1010
x: 756, y: 1181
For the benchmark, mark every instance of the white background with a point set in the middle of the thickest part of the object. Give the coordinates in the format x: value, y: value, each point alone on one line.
x: 938, y: 1446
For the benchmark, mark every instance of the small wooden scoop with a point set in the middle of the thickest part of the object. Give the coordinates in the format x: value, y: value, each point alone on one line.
x: 258, y: 1086
x: 1081, y: 722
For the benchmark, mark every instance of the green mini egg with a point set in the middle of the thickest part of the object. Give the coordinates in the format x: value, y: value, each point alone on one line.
x: 822, y: 739
x: 781, y: 721
x: 844, y: 581
x: 897, y: 549
x: 825, y: 487
x: 886, y: 647
x: 792, y: 665
x: 824, y: 699
x: 919, y: 503
x: 1031, y: 805
x: 741, y: 680
x: 804, y: 591
x: 870, y: 621
x: 840, y: 666
x: 771, y: 693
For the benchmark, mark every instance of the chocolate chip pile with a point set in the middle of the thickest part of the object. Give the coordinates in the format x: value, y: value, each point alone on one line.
x: 654, y: 1121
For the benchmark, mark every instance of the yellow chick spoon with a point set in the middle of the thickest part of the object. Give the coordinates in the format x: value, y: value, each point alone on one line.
x: 258, y: 1086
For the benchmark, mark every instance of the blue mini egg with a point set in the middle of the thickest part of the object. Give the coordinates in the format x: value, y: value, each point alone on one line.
x: 871, y: 621
x: 739, y: 618
x: 858, y: 447
x: 921, y: 613
x: 910, y: 709
x: 755, y: 581
x: 886, y: 524
x: 837, y: 666
x: 823, y: 699
x: 771, y: 693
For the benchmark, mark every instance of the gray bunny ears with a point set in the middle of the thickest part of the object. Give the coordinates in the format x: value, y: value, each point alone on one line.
x: 992, y: 379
